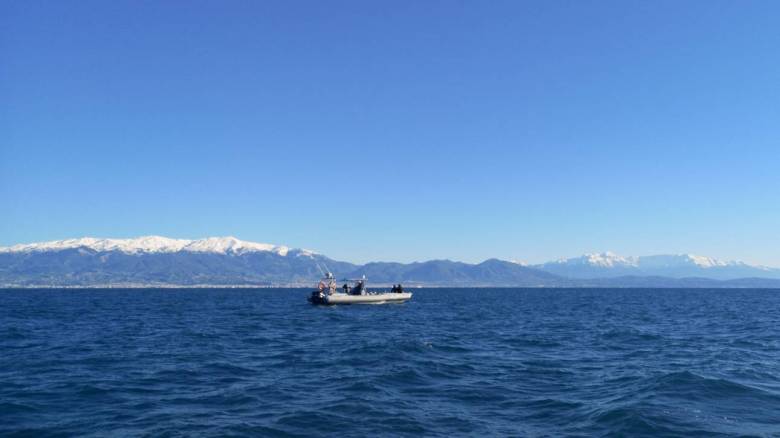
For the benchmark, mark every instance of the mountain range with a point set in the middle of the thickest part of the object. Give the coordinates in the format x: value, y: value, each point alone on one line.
x: 227, y: 261
x: 610, y: 265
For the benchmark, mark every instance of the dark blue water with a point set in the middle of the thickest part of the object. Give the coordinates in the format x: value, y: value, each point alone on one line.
x: 541, y: 362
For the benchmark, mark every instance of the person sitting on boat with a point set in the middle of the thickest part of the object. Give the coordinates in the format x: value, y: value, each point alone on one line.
x: 359, y: 288
x: 346, y: 288
x: 400, y: 289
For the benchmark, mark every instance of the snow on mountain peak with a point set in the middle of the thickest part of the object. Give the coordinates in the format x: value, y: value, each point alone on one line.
x: 602, y: 260
x: 224, y: 245
x: 612, y: 260
x: 140, y: 244
x: 704, y: 261
x: 519, y: 262
x: 672, y: 260
x: 609, y: 259
x: 156, y: 244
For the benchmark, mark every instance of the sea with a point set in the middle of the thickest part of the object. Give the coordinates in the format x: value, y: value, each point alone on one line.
x: 451, y: 362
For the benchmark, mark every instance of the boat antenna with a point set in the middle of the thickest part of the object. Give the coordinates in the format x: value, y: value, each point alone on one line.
x: 320, y: 268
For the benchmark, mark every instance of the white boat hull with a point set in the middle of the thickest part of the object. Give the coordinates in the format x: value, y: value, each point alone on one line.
x: 371, y: 298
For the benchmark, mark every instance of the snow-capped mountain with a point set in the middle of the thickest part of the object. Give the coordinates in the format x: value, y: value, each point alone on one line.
x: 156, y: 244
x: 155, y: 260
x: 159, y: 260
x: 608, y: 265
x: 596, y: 265
x: 601, y: 260
x: 685, y: 260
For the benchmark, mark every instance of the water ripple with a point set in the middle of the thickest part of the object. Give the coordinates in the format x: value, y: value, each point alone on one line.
x: 524, y: 362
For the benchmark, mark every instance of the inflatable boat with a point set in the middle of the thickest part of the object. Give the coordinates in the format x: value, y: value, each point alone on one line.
x: 328, y: 294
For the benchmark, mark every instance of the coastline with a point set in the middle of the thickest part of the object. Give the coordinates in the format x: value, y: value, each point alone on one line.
x: 380, y: 286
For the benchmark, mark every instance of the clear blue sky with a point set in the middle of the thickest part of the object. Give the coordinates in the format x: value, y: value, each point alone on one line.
x: 396, y: 130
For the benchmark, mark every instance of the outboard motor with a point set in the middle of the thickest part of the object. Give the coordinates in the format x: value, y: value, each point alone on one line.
x: 317, y: 297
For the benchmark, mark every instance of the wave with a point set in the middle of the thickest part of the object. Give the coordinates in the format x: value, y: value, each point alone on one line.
x: 512, y: 363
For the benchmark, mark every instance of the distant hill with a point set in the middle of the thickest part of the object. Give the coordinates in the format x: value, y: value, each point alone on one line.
x: 609, y: 265
x: 448, y: 273
x: 159, y: 261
